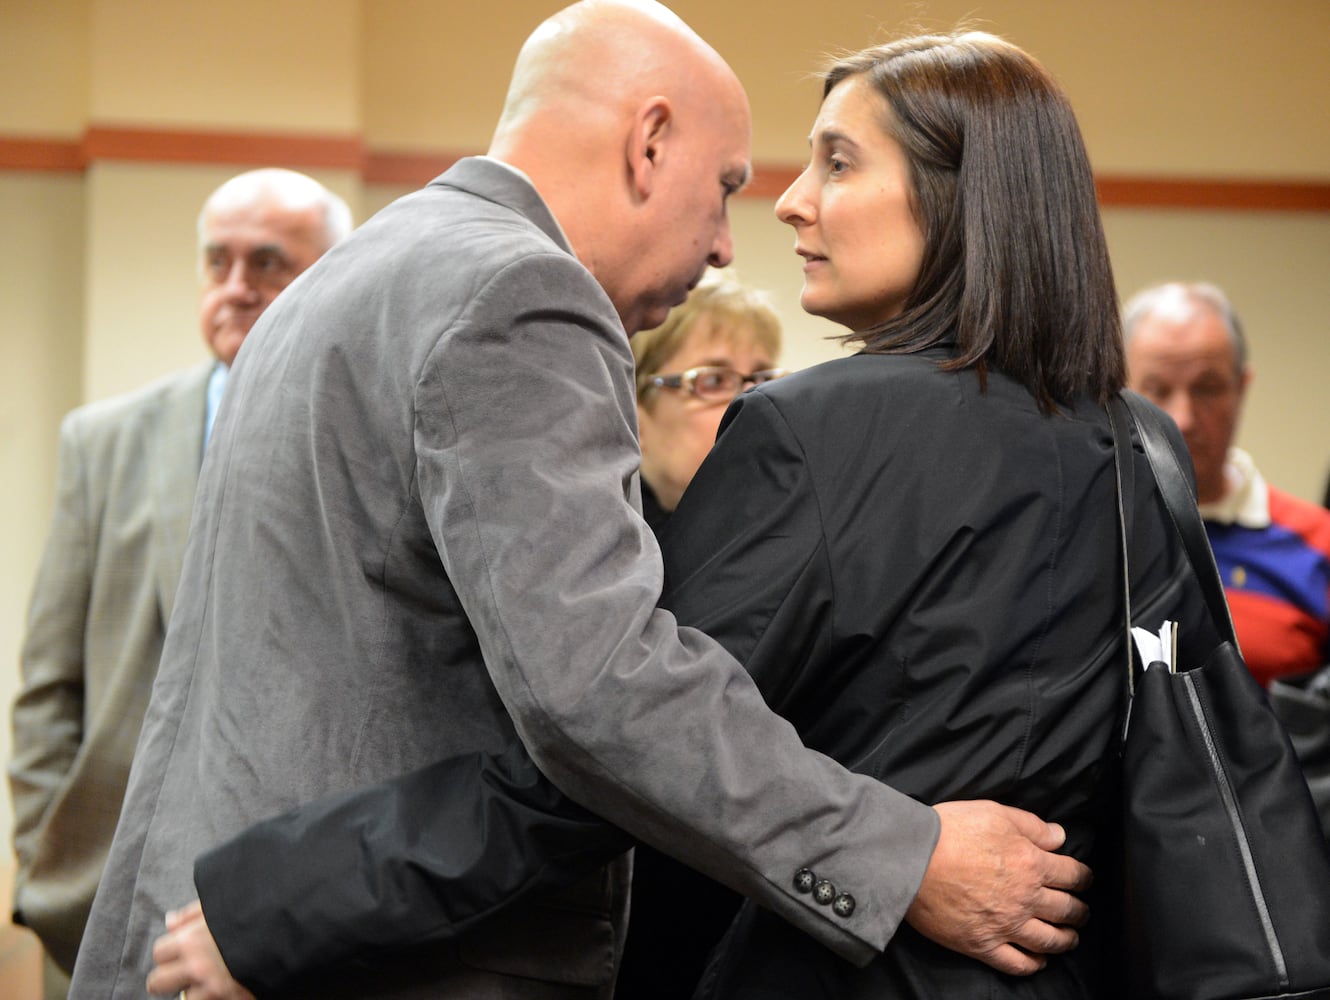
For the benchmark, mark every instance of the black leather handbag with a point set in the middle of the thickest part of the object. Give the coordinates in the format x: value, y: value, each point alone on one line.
x: 1227, y: 875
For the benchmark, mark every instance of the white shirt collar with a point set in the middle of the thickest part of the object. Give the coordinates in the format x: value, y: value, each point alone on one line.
x: 1246, y: 500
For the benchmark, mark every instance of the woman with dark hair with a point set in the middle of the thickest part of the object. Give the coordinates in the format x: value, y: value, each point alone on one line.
x: 915, y: 550
x: 1005, y: 255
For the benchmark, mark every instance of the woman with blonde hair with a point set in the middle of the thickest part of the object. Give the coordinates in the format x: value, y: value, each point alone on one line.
x: 724, y: 338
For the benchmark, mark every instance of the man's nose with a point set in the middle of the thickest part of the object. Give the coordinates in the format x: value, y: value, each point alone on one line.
x: 722, y: 251
x: 1179, y: 406
x: 239, y: 280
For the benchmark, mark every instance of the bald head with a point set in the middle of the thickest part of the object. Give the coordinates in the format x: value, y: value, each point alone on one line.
x: 286, y: 189
x: 257, y: 233
x: 623, y: 118
x: 600, y: 56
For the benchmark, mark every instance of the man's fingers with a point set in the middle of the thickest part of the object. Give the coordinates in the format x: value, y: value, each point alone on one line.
x: 1046, y: 836
x: 1063, y: 872
x: 1011, y: 960
x: 1039, y: 938
x: 1054, y: 906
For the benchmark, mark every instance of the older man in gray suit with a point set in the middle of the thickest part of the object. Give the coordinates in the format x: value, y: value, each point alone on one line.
x: 417, y: 535
x: 108, y: 576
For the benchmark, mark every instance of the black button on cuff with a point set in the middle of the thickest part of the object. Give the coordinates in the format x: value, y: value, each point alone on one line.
x: 804, y: 880
x: 824, y: 892
x: 843, y: 905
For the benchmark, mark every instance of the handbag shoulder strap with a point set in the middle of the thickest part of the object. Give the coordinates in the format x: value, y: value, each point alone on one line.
x: 1176, y: 490
x: 1124, y: 474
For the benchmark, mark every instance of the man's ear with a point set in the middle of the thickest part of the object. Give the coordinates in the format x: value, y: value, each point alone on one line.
x: 646, y: 144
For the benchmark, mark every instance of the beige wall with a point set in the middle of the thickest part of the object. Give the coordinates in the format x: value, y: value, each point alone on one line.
x: 292, y: 64
x: 44, y: 66
x: 97, y: 271
x: 1219, y: 88
x: 41, y: 253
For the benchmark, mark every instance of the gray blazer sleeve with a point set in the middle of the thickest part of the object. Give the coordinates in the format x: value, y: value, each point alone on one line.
x: 524, y: 465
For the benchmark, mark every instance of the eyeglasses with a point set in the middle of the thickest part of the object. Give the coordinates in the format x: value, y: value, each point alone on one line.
x: 713, y: 384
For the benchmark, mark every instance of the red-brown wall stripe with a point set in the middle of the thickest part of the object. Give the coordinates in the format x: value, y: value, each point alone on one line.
x: 149, y: 145
x: 241, y: 148
x: 42, y: 155
x: 1231, y: 195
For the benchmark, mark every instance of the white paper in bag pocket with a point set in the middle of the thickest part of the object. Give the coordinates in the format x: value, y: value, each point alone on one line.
x: 1160, y: 648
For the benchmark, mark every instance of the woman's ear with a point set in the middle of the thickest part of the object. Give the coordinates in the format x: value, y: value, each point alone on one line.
x: 646, y: 142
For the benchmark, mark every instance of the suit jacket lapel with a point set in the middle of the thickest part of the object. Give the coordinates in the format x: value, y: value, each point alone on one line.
x: 177, y: 453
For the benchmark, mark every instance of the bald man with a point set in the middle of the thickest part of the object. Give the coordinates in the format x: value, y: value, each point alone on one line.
x: 127, y: 473
x: 418, y: 536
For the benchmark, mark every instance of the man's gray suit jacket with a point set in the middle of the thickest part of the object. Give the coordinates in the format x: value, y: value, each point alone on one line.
x: 416, y: 536
x: 103, y: 594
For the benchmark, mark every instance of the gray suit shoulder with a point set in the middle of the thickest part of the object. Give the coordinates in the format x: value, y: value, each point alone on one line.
x: 123, y: 410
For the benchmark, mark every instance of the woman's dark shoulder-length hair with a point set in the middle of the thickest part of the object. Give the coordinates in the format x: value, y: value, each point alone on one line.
x: 1015, y: 268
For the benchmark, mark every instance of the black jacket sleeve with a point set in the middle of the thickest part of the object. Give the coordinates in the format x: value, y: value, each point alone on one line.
x: 416, y: 860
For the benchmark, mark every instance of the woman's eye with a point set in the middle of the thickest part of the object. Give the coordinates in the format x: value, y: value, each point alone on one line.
x: 711, y: 381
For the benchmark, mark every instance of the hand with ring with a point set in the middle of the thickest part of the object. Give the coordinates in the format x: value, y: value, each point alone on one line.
x: 186, y: 958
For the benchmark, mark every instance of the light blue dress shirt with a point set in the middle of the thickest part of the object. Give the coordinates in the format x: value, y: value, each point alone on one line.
x: 216, y: 386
